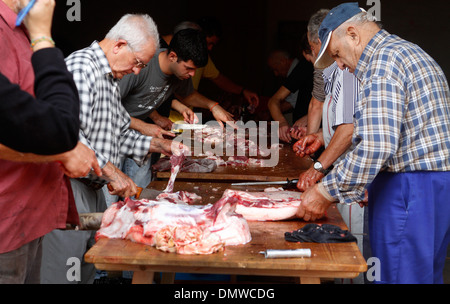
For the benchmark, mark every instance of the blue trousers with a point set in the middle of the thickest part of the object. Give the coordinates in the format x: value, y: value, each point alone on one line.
x: 409, y: 225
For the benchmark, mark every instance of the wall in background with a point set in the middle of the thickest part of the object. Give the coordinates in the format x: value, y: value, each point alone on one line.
x: 253, y: 27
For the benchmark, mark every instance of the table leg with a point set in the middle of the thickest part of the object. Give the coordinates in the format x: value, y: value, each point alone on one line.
x: 143, y: 277
x: 167, y: 277
x: 309, y: 280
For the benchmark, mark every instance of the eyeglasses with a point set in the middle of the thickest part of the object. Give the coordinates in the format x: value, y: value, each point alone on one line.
x: 138, y: 63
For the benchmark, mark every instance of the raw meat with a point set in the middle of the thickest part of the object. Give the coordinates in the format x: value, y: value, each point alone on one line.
x: 266, y: 206
x: 190, y: 164
x: 179, y: 228
x: 180, y: 197
x: 235, y: 140
x: 210, y: 134
x: 176, y: 161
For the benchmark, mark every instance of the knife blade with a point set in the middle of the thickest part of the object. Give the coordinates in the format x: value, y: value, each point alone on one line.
x: 286, y: 182
x: 188, y: 127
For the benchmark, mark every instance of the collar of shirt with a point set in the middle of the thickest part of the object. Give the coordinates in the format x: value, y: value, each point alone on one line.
x: 105, y: 68
x: 370, y: 49
x: 293, y: 65
x: 328, y: 76
x: 7, y: 14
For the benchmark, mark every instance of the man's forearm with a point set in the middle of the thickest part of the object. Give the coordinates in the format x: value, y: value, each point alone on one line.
x: 314, y: 115
x: 274, y: 105
x: 275, y: 111
x: 7, y: 153
x: 195, y: 99
x: 339, y: 143
x: 137, y: 124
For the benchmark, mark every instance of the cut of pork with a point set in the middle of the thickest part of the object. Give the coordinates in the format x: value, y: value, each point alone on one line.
x: 266, y: 206
x: 180, y: 228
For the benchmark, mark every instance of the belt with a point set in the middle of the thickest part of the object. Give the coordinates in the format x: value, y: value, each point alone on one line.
x: 91, y: 184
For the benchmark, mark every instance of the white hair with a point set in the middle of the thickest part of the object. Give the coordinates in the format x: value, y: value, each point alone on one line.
x: 314, y: 24
x: 359, y: 19
x: 136, y: 29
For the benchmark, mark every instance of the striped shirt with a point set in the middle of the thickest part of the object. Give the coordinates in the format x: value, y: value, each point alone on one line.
x: 341, y: 89
x: 104, y: 120
x: 402, y: 117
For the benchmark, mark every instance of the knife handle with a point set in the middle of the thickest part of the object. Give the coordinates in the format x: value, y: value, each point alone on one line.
x: 291, y: 184
x: 137, y: 195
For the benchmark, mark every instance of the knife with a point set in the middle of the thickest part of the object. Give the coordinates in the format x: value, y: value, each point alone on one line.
x: 287, y: 183
x: 188, y: 127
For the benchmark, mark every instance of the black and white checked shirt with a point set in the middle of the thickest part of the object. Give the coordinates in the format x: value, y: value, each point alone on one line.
x: 104, y: 121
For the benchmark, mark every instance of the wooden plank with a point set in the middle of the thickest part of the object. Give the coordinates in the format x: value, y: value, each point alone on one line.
x: 143, y: 277
x: 308, y: 280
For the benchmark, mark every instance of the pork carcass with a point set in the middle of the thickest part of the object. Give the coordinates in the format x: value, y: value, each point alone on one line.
x: 180, y: 228
x: 267, y: 205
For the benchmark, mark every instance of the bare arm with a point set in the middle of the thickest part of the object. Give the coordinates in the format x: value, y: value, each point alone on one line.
x: 149, y: 129
x: 188, y: 114
x: 198, y: 100
x: 314, y: 115
x: 274, y: 106
x: 340, y: 142
x: 75, y: 163
x: 160, y: 120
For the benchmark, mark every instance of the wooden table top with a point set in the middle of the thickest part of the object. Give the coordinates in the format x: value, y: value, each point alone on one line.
x: 342, y: 260
x: 288, y: 166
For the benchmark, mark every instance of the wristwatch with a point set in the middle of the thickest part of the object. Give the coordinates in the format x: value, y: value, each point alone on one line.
x: 318, y: 167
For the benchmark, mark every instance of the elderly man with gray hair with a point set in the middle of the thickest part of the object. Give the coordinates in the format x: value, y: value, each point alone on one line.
x: 401, y: 147
x: 97, y: 69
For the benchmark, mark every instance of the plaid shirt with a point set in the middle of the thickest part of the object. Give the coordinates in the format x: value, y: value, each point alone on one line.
x: 402, y: 117
x: 104, y: 121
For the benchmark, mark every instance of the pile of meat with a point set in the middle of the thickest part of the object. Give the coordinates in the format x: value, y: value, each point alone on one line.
x: 171, y: 225
x: 234, y: 141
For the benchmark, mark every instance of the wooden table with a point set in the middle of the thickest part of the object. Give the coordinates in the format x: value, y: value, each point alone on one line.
x: 289, y: 166
x: 343, y: 260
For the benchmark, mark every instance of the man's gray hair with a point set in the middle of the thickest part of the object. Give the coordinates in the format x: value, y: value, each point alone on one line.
x: 314, y: 24
x: 136, y: 29
x: 359, y: 19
